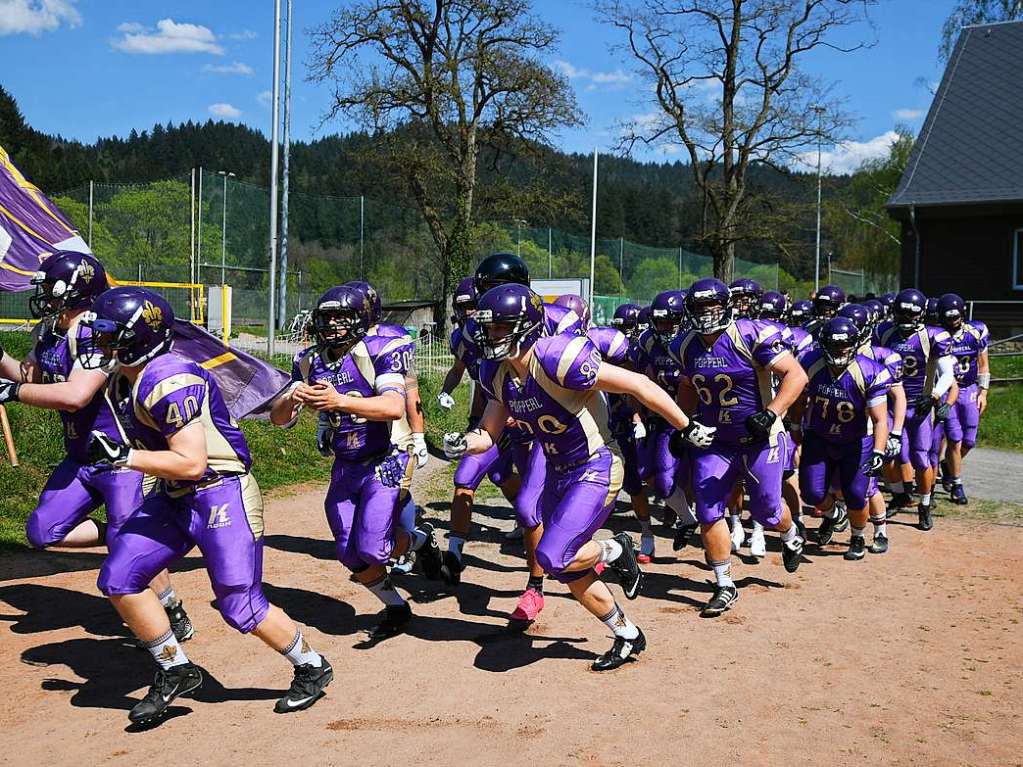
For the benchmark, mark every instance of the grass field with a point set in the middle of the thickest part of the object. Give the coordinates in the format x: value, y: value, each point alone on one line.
x: 287, y: 458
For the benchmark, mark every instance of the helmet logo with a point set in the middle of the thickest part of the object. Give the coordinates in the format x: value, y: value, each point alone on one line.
x: 536, y: 301
x: 86, y: 271
x: 152, y: 315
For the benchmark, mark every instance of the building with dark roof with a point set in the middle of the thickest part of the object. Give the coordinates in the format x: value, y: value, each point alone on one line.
x: 960, y: 199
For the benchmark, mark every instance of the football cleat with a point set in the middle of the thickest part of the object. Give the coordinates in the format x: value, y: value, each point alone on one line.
x: 825, y: 531
x: 738, y: 537
x: 180, y: 623
x: 515, y: 534
x: 167, y: 685
x: 724, y: 597
x: 842, y: 520
x: 682, y: 537
x: 646, y: 549
x: 451, y: 570
x: 529, y: 606
x: 627, y: 568
x: 396, y: 620
x: 899, y: 501
x: 306, y: 688
x: 428, y: 555
x: 923, y: 512
x: 792, y: 554
x: 959, y: 495
x: 757, y: 542
x: 404, y: 564
x: 880, y: 544
x: 857, y: 548
x: 946, y: 477
x: 620, y: 653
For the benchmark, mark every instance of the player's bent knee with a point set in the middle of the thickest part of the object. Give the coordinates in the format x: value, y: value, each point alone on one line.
x: 118, y: 581
x: 40, y: 535
x: 243, y: 608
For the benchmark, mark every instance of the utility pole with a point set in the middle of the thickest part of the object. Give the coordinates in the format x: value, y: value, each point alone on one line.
x: 550, y: 255
x: 282, y: 315
x: 362, y: 237
x: 817, y: 260
x: 593, y: 231
x: 223, y: 237
x: 271, y: 324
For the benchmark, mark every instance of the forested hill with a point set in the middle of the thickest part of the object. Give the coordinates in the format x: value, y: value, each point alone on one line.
x: 647, y: 203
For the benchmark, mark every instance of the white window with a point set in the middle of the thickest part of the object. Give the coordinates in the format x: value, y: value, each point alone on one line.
x: 1017, y: 260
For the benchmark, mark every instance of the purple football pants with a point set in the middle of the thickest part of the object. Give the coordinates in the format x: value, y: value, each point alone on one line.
x: 574, y: 504
x: 965, y: 417
x: 917, y: 439
x: 362, y: 512
x: 661, y: 465
x: 634, y: 456
x: 224, y: 519
x: 497, y: 465
x: 717, y: 469
x: 827, y: 464
x: 527, y: 502
x: 74, y: 491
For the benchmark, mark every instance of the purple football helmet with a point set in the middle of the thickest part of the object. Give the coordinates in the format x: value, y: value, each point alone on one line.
x: 860, y: 317
x: 828, y: 301
x: 342, y: 317
x: 626, y: 319
x: 372, y: 299
x: 577, y: 305
x: 666, y: 314
x: 772, y: 306
x: 746, y: 295
x: 887, y: 304
x: 800, y: 313
x: 643, y: 320
x: 130, y: 325
x: 931, y: 312
x: 509, y: 319
x: 709, y: 305
x: 463, y: 302
x: 839, y: 340
x: 951, y: 312
x: 66, y: 280
x: 909, y: 310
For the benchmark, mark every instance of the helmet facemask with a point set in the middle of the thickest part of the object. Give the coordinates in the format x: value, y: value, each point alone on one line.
x: 709, y: 317
x: 503, y: 338
x: 909, y: 319
x: 336, y: 328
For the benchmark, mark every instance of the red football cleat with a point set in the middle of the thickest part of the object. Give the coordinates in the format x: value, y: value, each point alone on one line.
x: 529, y: 606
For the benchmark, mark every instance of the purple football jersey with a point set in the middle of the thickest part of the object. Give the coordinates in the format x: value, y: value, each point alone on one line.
x: 967, y: 344
x: 172, y: 392
x: 611, y: 343
x: 887, y: 357
x: 920, y: 353
x: 465, y: 351
x: 836, y: 408
x: 57, y: 355
x: 556, y: 403
x: 656, y: 360
x: 388, y: 331
x: 375, y: 364
x: 731, y: 376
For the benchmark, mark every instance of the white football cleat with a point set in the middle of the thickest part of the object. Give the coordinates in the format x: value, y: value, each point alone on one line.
x: 757, y: 543
x: 738, y: 536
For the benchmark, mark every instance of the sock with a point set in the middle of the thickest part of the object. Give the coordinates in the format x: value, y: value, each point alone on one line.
x: 759, y: 528
x: 384, y: 590
x: 957, y: 480
x: 898, y: 488
x: 167, y: 652
x: 455, y: 544
x: 407, y: 518
x: 644, y: 528
x: 790, y: 535
x: 722, y: 572
x: 734, y: 518
x: 925, y: 499
x: 299, y: 652
x: 610, y: 550
x: 880, y: 526
x: 619, y: 624
x: 857, y: 532
x: 168, y: 598
x: 417, y: 538
x: 535, y: 582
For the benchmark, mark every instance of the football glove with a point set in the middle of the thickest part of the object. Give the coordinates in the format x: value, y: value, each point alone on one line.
x: 390, y: 471
x: 105, y: 449
x: 894, y: 446
x: 758, y: 425
x: 8, y: 389
x: 445, y: 400
x: 942, y: 412
x: 455, y: 444
x: 872, y: 466
x: 324, y: 435
x: 694, y: 434
x: 638, y: 430
x: 419, y: 450
x: 923, y: 406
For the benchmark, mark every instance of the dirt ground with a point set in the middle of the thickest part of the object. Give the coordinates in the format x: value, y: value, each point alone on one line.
x: 911, y: 658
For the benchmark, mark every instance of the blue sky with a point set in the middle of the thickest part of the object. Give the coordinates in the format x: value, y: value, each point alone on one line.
x: 89, y: 68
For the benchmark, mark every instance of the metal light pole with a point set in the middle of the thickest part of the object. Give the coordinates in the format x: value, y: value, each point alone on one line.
x: 274, y: 152
x: 283, y: 313
x: 593, y: 231
x: 621, y: 265
x: 817, y: 260
x: 518, y: 238
x: 223, y: 237
x: 550, y: 255
x: 362, y: 237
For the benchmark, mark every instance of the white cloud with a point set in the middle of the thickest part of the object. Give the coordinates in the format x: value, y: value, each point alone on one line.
x: 847, y: 157
x: 265, y: 98
x: 226, y: 111
x: 616, y: 79
x: 234, y: 68
x: 908, y: 114
x: 34, y: 17
x: 245, y: 34
x: 168, y: 37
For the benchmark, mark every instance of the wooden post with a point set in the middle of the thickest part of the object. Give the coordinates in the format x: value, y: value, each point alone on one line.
x: 12, y: 453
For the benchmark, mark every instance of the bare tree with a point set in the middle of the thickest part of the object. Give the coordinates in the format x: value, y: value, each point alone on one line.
x: 726, y: 80
x: 968, y: 12
x: 439, y: 82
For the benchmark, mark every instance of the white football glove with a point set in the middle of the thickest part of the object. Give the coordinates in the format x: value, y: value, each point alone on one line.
x: 419, y: 450
x: 638, y: 430
x: 699, y: 435
x: 104, y: 449
x: 455, y: 444
x: 445, y: 400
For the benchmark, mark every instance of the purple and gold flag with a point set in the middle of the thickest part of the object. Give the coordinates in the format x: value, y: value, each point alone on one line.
x: 247, y: 383
x: 31, y: 228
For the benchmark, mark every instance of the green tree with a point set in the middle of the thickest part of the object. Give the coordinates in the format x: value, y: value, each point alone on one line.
x: 975, y: 12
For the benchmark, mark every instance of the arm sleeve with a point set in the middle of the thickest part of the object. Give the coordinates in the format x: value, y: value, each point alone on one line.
x: 946, y: 376
x: 392, y: 365
x: 877, y: 391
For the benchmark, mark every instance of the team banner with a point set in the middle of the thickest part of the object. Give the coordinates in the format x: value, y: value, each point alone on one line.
x: 31, y: 228
x: 247, y: 383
